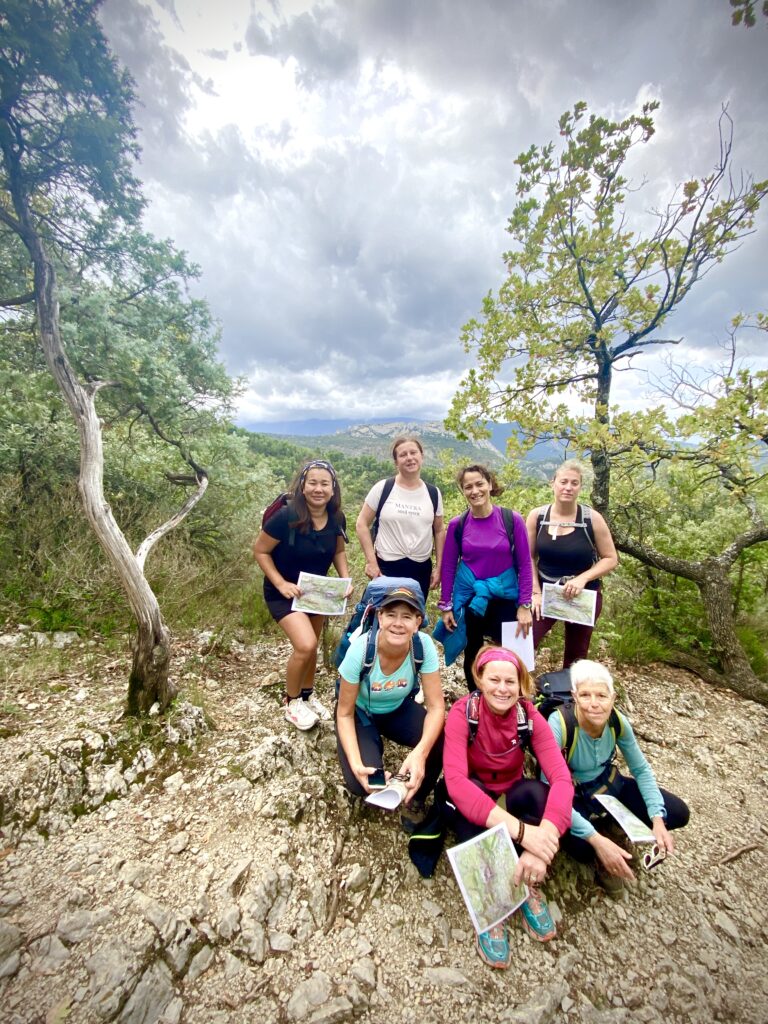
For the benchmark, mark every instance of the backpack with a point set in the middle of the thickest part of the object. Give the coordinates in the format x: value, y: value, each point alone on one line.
x: 472, y: 711
x: 509, y: 525
x: 389, y: 483
x: 554, y: 695
x: 285, y: 500
x: 583, y: 522
x: 365, y: 620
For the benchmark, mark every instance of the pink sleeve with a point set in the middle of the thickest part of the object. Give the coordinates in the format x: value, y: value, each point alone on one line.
x: 468, y: 798
x: 549, y: 756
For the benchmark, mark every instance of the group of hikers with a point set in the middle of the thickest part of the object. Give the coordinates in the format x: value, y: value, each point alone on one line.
x: 490, y: 566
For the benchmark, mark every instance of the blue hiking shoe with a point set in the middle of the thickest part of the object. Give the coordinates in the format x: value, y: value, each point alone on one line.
x: 536, y: 916
x: 493, y: 946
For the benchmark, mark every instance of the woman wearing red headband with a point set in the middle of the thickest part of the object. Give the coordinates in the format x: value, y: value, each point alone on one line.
x: 485, y: 736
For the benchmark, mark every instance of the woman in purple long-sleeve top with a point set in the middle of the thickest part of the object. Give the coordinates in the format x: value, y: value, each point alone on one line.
x: 486, y: 563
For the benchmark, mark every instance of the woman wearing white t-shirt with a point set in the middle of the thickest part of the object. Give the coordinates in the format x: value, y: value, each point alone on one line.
x: 410, y: 521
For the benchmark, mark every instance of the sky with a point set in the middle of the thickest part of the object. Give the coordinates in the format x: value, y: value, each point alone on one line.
x: 343, y: 171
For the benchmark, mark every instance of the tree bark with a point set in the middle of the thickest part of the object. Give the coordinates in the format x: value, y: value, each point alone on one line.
x: 149, y: 682
x: 711, y: 577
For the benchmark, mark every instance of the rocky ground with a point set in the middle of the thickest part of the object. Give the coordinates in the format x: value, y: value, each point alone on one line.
x: 210, y: 869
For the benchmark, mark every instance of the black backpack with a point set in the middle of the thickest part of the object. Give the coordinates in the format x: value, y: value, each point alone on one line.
x: 555, y: 696
x: 389, y: 483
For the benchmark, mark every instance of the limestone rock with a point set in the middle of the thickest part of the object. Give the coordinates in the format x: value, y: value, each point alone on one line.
x: 308, y: 995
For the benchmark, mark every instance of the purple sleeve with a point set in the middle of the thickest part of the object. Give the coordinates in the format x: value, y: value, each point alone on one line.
x: 449, y: 563
x: 549, y: 756
x: 474, y: 804
x: 522, y: 559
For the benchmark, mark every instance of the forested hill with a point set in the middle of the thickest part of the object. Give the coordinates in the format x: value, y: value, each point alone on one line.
x: 440, y: 445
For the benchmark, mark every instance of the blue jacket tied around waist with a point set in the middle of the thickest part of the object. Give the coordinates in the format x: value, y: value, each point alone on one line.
x: 470, y: 592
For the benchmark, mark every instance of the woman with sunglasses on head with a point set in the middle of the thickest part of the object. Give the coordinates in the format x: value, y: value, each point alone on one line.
x: 306, y: 535
x: 589, y: 732
x: 485, y: 736
x: 486, y: 572
x: 401, y: 519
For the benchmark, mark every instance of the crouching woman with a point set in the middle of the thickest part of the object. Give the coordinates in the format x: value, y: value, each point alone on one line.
x: 381, y: 704
x: 485, y: 736
x: 590, y: 731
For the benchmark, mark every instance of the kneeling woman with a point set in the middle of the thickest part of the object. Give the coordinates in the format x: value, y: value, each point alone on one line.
x: 597, y: 732
x: 381, y: 704
x: 481, y: 768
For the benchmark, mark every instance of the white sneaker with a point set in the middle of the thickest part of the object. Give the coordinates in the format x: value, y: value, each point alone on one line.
x: 320, y: 709
x: 299, y: 713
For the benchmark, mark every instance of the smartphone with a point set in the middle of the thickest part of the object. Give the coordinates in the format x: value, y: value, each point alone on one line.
x: 377, y: 779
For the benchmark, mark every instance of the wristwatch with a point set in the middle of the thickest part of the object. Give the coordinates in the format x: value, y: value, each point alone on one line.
x: 527, y: 605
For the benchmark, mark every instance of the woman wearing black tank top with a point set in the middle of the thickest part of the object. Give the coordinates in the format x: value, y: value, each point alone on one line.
x: 572, y: 545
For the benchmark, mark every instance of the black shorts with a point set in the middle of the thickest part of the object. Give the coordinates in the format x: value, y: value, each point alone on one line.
x: 279, y: 607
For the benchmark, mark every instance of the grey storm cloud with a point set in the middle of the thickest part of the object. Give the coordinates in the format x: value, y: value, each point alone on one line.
x: 348, y: 266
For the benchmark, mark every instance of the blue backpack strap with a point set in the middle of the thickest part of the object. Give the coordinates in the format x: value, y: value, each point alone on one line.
x: 386, y: 490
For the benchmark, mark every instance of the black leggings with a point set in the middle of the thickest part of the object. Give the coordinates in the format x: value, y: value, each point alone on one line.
x: 404, y: 725
x: 419, y: 571
x: 480, y: 627
x: 526, y: 799
x: 628, y: 791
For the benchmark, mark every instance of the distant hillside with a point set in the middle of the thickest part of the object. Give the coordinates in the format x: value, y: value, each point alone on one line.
x: 376, y: 439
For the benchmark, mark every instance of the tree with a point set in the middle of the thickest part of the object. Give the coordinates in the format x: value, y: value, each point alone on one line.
x: 586, y: 294
x: 744, y: 12
x: 70, y: 198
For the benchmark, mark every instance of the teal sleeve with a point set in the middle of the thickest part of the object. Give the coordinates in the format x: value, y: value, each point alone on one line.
x: 431, y: 662
x: 641, y: 770
x: 353, y: 661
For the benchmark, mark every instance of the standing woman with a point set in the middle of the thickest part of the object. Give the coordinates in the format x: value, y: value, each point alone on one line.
x: 307, y: 535
x: 486, y: 572
x: 408, y: 514
x: 572, y: 545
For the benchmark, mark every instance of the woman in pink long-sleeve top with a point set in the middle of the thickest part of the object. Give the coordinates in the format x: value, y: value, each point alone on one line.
x: 485, y: 737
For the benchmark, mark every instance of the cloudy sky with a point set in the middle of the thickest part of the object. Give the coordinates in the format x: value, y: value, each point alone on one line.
x: 342, y: 171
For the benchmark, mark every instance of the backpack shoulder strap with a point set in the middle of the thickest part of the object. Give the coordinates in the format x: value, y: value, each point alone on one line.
x: 386, y: 490
x: 570, y: 730
x: 433, y: 495
x: 460, y: 529
x: 542, y: 518
x: 371, y: 644
x: 616, y: 724
x: 524, y: 726
x: 509, y: 524
x: 585, y: 516
x: 472, y: 711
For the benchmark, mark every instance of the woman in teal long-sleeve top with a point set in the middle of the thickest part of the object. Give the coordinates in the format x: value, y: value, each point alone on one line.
x: 598, y: 732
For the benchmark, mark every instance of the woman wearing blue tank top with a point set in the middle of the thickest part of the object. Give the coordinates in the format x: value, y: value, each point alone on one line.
x: 571, y: 545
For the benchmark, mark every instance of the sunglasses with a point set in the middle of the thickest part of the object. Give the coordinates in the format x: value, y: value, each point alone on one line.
x: 654, y: 857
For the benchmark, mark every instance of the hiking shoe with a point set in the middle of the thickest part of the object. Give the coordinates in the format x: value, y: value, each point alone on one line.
x: 412, y: 816
x: 299, y: 713
x: 536, y: 916
x: 612, y: 884
x: 493, y: 946
x: 319, y: 709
